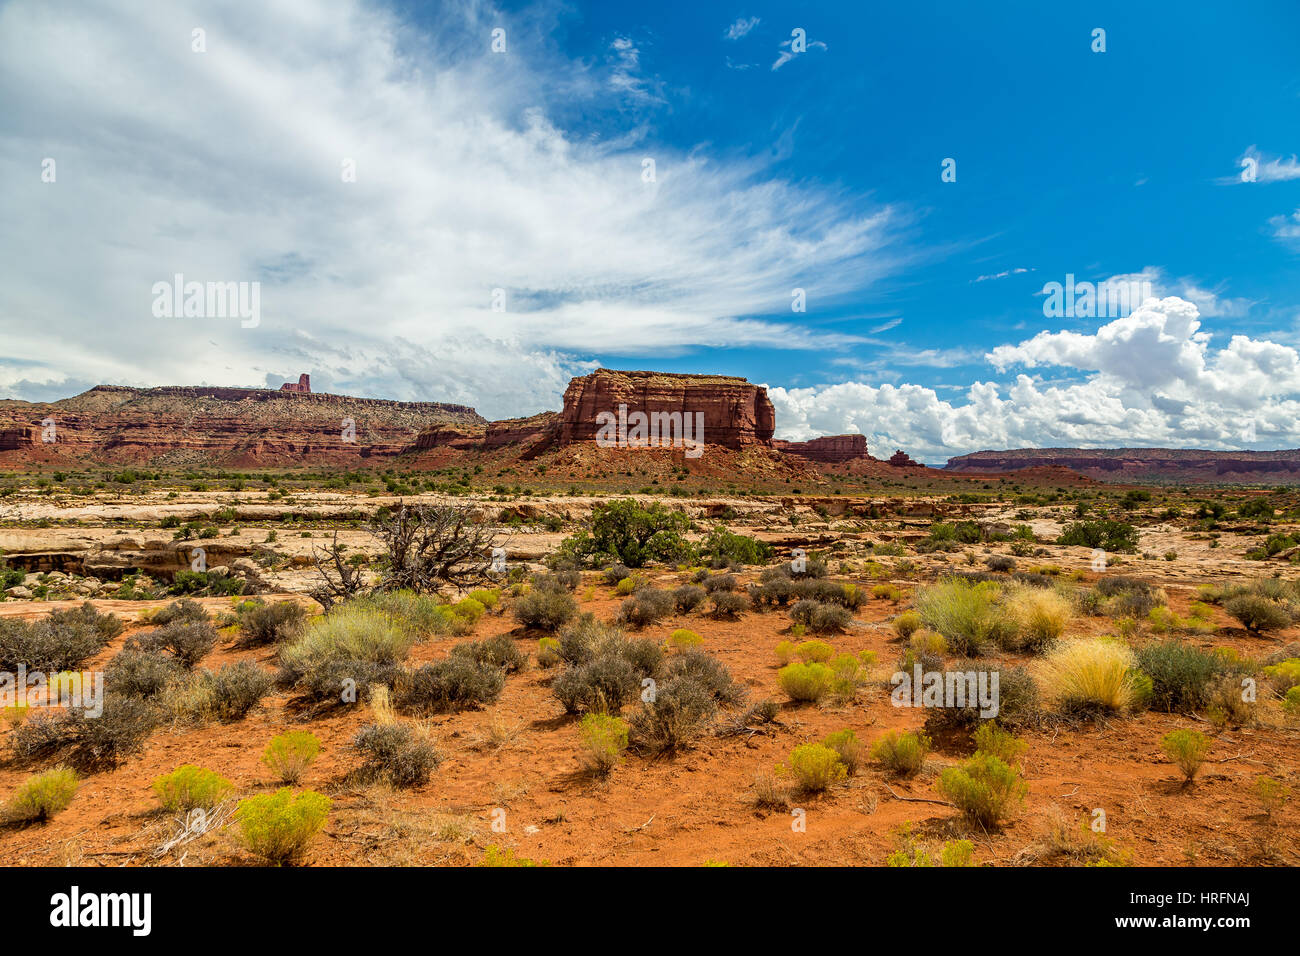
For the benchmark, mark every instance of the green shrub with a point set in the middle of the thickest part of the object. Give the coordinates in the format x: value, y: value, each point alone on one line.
x: 1180, y: 675
x: 485, y: 597
x: 189, y: 787
x: 500, y: 651
x: 233, y: 690
x: 631, y: 534
x: 814, y: 652
x: 39, y: 798
x: 683, y: 639
x: 906, y: 624
x: 724, y: 547
x: 805, y: 682
x: 901, y: 753
x: 679, y: 713
x: 546, y: 610
x: 289, y: 755
x: 456, y: 683
x: 846, y: 744
x: 785, y: 651
x: 354, y: 642
x: 504, y: 856
x: 1107, y: 535
x: 1284, y: 674
x: 821, y: 618
x: 815, y: 767
x: 967, y: 613
x: 1257, y: 613
x: 603, y: 739
x: 1187, y: 749
x: 278, y: 826
x: 688, y: 597
x: 985, y: 789
x: 993, y: 740
x: 277, y: 623
x: 548, y: 652
x: 396, y: 753
x: 144, y: 674
x: 646, y: 606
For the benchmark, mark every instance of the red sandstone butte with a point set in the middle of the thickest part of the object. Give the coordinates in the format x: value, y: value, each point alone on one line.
x: 830, y: 450
x: 304, y: 385
x: 737, y: 414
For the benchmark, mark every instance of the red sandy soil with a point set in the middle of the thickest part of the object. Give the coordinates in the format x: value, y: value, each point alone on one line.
x: 695, y: 806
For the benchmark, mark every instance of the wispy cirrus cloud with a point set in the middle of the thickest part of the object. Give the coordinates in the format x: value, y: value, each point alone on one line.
x: 225, y: 166
x: 740, y: 28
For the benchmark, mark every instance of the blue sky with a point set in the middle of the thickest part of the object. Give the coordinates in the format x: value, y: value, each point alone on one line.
x: 524, y: 171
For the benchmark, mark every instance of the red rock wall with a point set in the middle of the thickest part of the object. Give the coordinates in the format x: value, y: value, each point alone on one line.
x: 832, y: 449
x: 736, y: 413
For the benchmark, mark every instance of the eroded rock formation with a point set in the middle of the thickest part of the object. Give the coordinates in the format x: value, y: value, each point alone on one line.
x: 734, y: 413
x: 239, y: 427
x: 831, y: 449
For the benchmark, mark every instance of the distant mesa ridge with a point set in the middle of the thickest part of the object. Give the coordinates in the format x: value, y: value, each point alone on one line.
x: 1122, y: 464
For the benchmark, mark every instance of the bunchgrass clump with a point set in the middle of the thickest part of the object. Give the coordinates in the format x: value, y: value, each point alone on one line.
x: 1091, y: 676
x: 806, y: 683
x: 1188, y: 750
x: 901, y: 753
x: 289, y: 755
x: 604, y: 739
x: 189, y: 788
x: 40, y: 797
x: 815, y: 767
x: 986, y: 789
x: 278, y: 826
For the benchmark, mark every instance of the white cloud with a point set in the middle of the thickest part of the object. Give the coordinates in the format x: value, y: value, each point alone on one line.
x: 1150, y: 378
x: 225, y: 166
x: 1286, y: 228
x: 1267, y: 169
x: 788, y: 52
x: 741, y: 27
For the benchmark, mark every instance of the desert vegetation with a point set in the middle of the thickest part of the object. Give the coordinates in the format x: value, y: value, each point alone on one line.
x: 382, y: 682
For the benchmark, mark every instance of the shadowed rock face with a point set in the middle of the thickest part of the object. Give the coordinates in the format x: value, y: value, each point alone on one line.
x: 832, y: 449
x: 736, y: 414
x: 1126, y: 464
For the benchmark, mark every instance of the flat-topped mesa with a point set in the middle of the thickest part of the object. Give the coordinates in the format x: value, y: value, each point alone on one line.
x: 830, y: 449
x: 723, y: 410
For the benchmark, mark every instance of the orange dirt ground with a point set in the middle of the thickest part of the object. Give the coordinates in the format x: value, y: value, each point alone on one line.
x: 689, y: 808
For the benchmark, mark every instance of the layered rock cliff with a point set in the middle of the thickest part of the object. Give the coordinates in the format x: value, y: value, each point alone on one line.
x: 1190, y: 466
x: 831, y: 449
x: 732, y: 412
x: 240, y: 427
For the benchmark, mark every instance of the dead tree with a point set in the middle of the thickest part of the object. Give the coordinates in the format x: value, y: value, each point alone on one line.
x: 432, y: 547
x: 339, y: 579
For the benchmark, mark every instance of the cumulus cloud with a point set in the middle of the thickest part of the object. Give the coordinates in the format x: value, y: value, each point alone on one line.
x: 227, y: 165
x: 1149, y: 378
